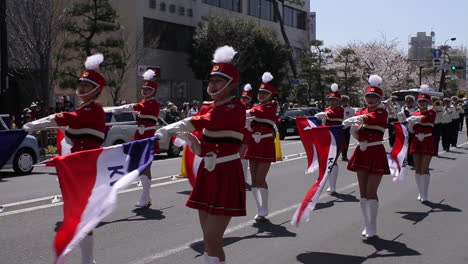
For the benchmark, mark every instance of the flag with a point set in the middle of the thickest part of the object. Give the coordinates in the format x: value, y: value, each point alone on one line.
x: 322, y: 144
x: 10, y: 140
x: 64, y: 143
x: 397, y: 158
x: 89, y: 181
x: 304, y: 124
x: 190, y: 162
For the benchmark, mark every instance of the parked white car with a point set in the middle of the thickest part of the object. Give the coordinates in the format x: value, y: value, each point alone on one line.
x: 25, y: 156
x: 125, y: 127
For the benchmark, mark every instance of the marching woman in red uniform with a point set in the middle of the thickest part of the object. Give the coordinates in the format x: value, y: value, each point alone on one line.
x: 219, y: 189
x: 147, y: 118
x: 247, y: 100
x: 333, y: 116
x: 369, y: 160
x: 422, y: 147
x: 85, y: 127
x: 261, y: 147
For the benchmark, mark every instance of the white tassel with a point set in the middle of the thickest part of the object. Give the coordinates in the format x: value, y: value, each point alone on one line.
x: 247, y: 87
x: 424, y: 88
x: 93, y: 62
x: 148, y: 75
x: 224, y: 54
x: 334, y: 87
x: 267, y: 77
x: 375, y: 80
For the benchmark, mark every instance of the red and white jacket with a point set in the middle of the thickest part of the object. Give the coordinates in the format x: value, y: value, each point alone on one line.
x: 85, y: 127
x: 374, y: 124
x: 147, y: 116
x: 335, y: 116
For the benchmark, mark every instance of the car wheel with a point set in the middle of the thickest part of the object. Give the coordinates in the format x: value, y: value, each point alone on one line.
x: 24, y: 161
x: 173, y: 150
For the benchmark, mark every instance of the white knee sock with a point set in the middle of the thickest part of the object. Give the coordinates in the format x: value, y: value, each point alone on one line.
x: 263, y: 210
x: 365, y: 214
x: 373, y: 207
x: 419, y: 179
x: 332, y: 179
x: 245, y: 168
x: 145, y: 197
x: 211, y: 260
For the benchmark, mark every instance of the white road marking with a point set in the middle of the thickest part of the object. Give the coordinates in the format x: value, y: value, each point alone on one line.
x: 240, y: 226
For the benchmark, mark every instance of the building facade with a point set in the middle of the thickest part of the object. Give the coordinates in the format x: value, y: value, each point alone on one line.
x: 420, y: 47
x: 168, y: 27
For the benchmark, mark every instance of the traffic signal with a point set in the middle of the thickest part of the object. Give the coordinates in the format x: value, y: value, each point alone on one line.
x: 453, y: 67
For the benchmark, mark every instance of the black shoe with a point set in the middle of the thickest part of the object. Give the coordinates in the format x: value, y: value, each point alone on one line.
x: 344, y: 159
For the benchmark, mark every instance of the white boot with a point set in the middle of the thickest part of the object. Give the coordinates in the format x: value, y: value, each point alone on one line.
x: 332, y: 179
x: 263, y: 210
x: 425, y: 186
x: 86, y: 245
x: 211, y: 260
x: 419, y: 178
x: 258, y: 200
x: 365, y: 214
x: 373, y: 207
x: 145, y: 198
x: 245, y: 168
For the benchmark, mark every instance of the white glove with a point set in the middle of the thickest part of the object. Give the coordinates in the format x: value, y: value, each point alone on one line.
x: 48, y: 121
x: 192, y: 141
x: 353, y: 121
x: 166, y: 132
x: 321, y: 115
x: 123, y: 109
x: 414, y: 119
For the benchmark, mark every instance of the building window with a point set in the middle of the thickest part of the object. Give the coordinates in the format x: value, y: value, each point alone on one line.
x: 233, y: 5
x: 160, y: 35
x: 172, y: 8
x: 262, y: 9
x: 162, y: 6
x: 294, y: 18
x: 190, y: 12
x: 181, y: 10
x: 152, y: 4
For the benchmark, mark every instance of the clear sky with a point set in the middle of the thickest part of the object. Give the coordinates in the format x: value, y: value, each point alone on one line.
x: 339, y: 21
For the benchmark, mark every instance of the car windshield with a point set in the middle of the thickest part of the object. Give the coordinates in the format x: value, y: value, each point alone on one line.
x: 293, y: 113
x: 124, y: 117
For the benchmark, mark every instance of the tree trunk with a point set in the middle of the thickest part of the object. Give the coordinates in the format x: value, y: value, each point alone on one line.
x: 285, y: 37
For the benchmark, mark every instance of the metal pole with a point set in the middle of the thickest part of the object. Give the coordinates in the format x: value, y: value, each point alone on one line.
x: 420, y: 77
x: 3, y: 48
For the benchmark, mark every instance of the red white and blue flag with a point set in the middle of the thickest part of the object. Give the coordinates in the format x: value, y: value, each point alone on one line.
x: 89, y: 181
x: 304, y: 124
x: 64, y: 143
x: 191, y: 161
x: 397, y: 158
x: 321, y: 144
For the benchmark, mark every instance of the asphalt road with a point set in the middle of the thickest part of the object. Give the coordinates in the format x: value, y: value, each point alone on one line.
x: 409, y: 231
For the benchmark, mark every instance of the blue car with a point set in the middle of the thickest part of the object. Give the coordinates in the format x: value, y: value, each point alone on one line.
x: 25, y: 156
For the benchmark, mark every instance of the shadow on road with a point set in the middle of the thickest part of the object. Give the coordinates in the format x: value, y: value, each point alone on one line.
x: 141, y: 214
x: 8, y: 174
x: 327, y: 258
x: 417, y: 217
x: 188, y: 192
x: 443, y: 157
x: 266, y: 229
x: 383, y: 248
x: 390, y: 248
x: 340, y: 198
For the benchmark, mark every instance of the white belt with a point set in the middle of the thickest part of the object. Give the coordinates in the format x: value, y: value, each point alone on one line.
x: 257, y: 136
x: 364, y: 144
x: 422, y: 136
x: 211, y: 160
x: 142, y: 129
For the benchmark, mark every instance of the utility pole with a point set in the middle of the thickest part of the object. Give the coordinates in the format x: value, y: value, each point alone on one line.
x: 3, y: 48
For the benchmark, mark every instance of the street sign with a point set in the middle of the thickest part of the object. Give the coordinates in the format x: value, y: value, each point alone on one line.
x: 437, y: 53
x: 296, y: 81
x: 436, y: 62
x: 143, y: 68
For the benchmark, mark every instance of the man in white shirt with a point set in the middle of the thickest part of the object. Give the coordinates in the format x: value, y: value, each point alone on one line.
x: 437, y: 130
x: 348, y: 112
x: 455, y: 121
x: 404, y: 113
x: 446, y: 121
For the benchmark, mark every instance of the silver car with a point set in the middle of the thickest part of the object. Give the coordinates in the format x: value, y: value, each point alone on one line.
x: 123, y: 127
x: 25, y: 156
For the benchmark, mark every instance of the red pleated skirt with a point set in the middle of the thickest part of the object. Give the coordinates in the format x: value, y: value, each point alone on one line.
x: 425, y: 147
x: 221, y: 191
x: 373, y: 160
x: 262, y: 151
